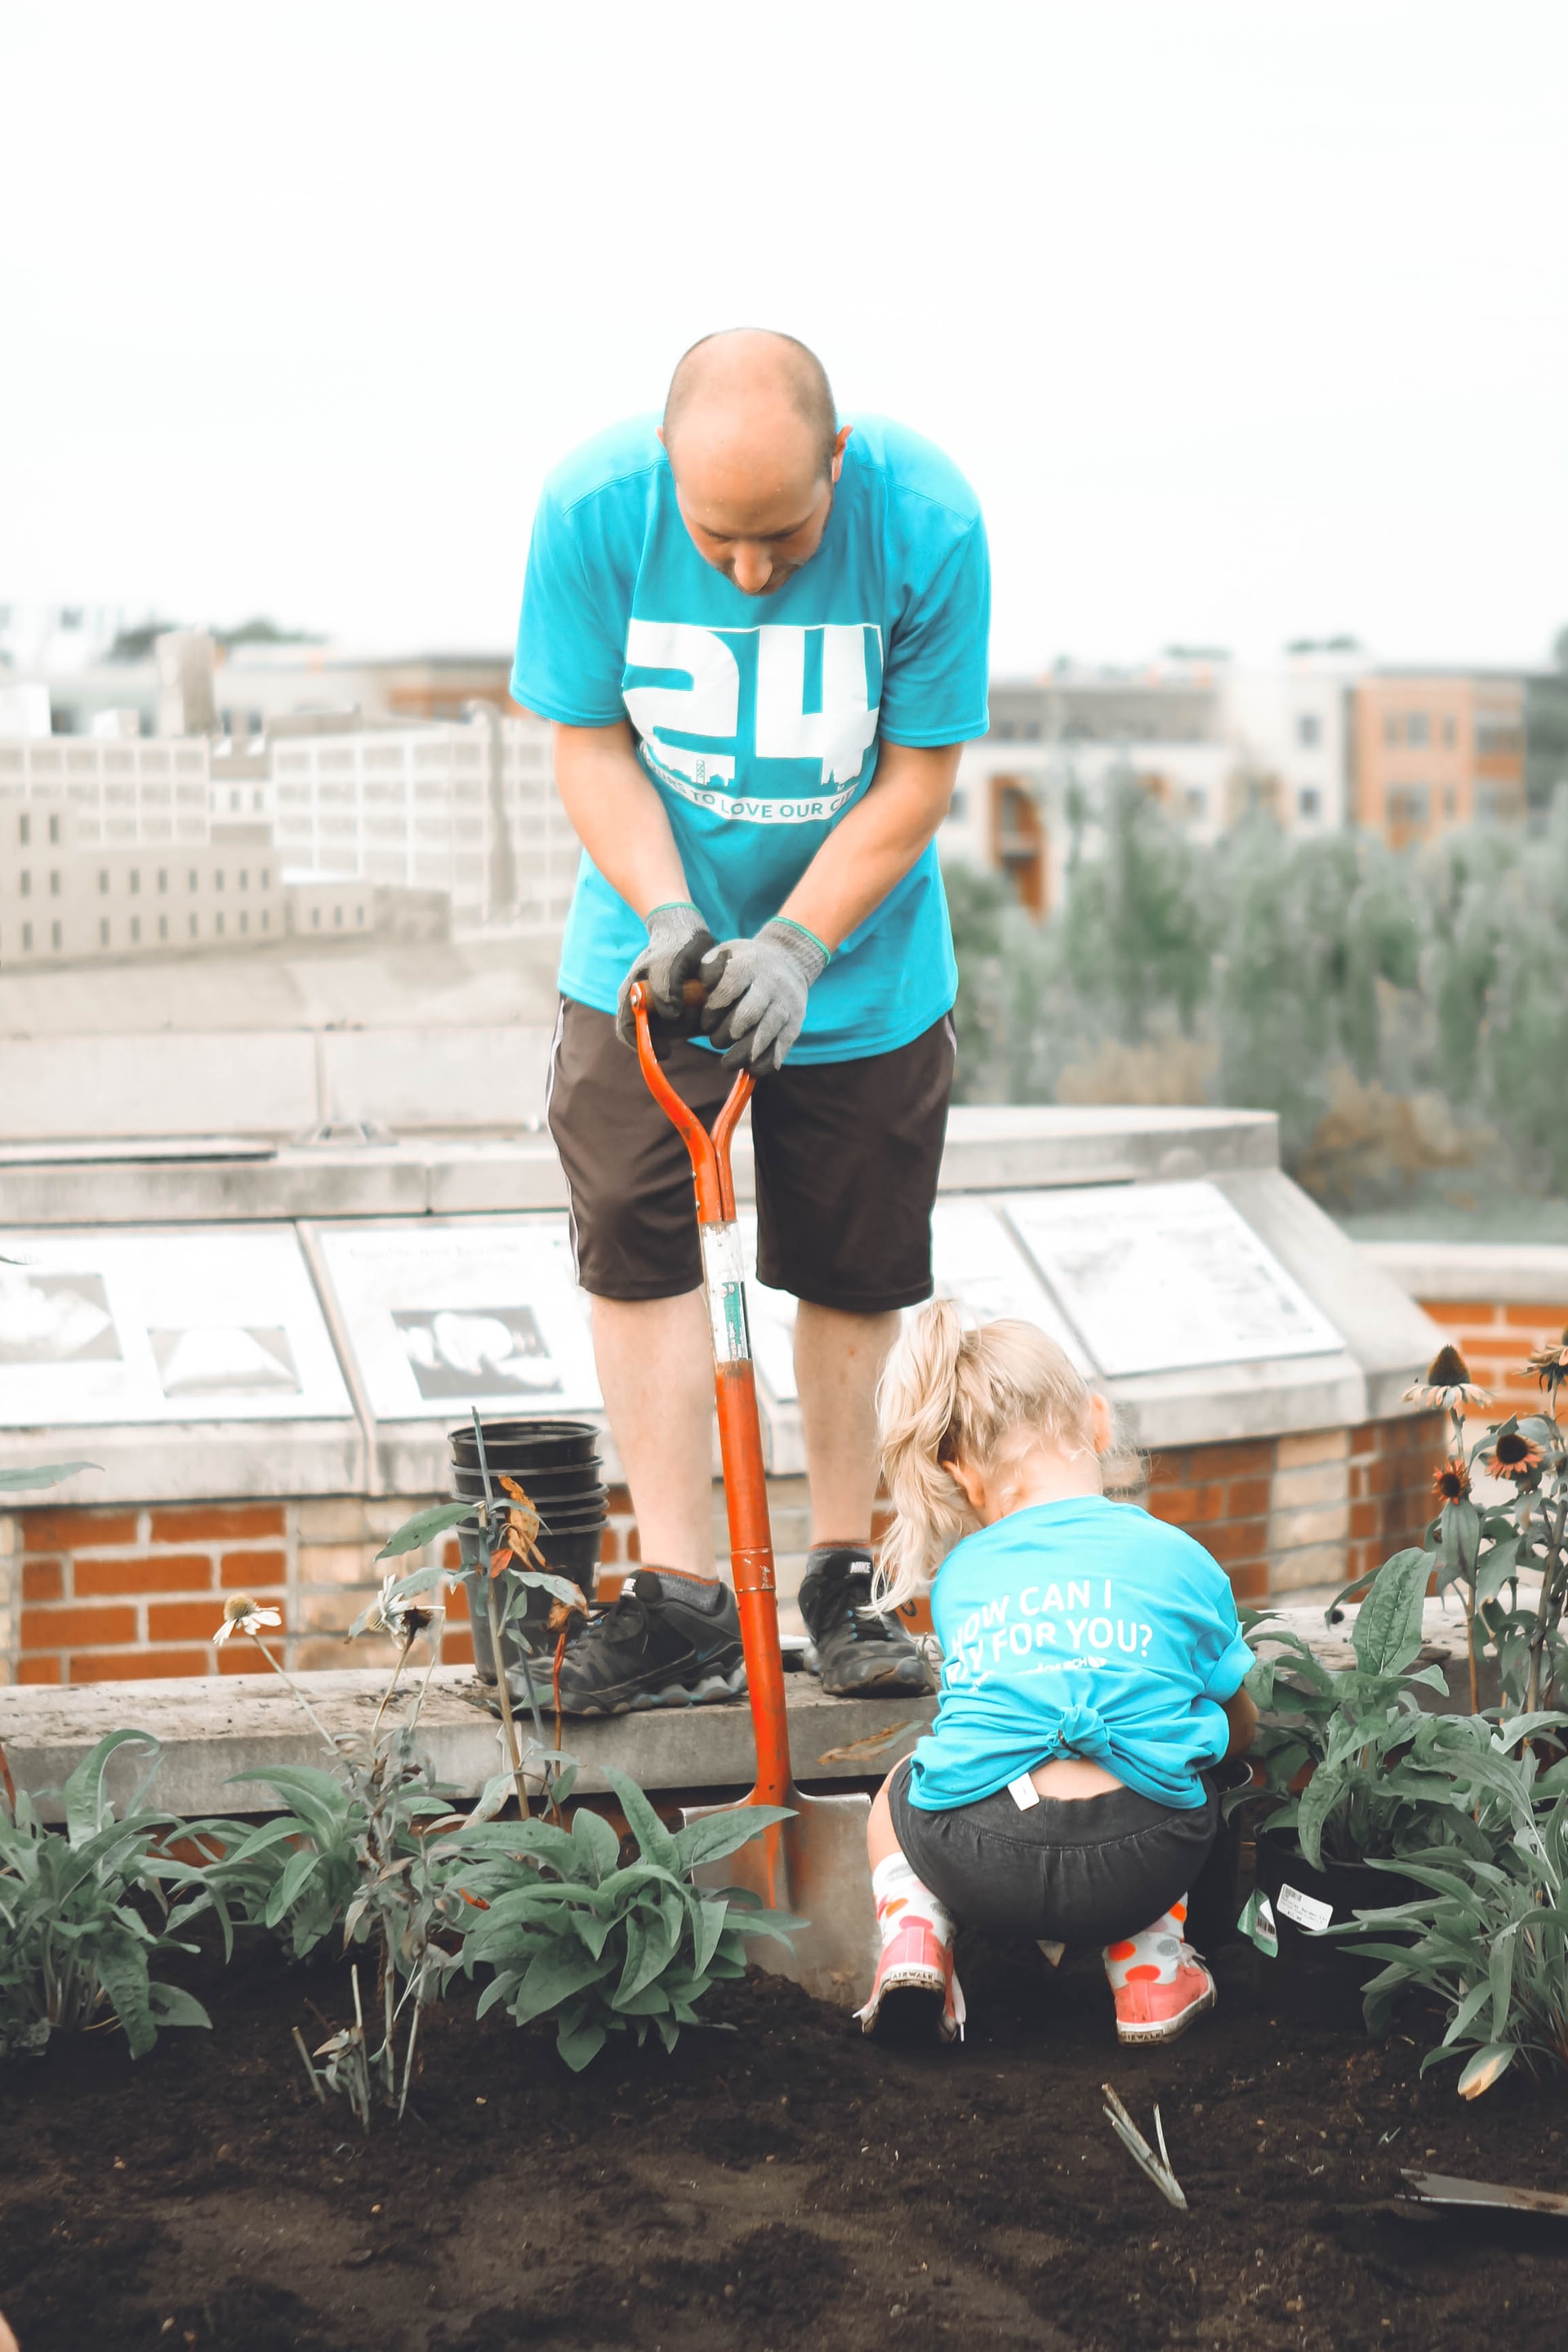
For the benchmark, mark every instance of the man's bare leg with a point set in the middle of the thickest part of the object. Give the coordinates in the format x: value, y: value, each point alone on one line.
x: 839, y: 1360
x: 656, y: 1367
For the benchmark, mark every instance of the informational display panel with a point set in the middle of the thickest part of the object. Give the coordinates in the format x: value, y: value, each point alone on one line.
x: 112, y: 1324
x: 446, y: 1313
x: 976, y: 1261
x: 1161, y: 1277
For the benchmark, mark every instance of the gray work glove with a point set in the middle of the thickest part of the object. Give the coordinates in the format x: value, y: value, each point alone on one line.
x: 757, y: 991
x: 678, y: 939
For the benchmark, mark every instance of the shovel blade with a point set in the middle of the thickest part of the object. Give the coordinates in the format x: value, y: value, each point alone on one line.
x: 815, y: 1867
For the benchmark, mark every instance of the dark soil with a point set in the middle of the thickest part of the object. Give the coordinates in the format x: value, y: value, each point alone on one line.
x: 786, y: 2185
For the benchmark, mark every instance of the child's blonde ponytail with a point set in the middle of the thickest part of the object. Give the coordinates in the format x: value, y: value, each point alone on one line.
x: 947, y: 1391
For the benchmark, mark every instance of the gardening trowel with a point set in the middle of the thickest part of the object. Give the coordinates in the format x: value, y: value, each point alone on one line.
x: 815, y: 1865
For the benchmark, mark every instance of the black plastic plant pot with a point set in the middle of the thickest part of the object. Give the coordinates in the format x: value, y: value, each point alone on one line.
x: 550, y: 1492
x: 520, y: 1447
x: 1322, y: 1976
x: 574, y: 1556
x: 1213, y: 1899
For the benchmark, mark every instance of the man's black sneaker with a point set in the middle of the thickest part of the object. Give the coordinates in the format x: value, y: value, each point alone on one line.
x: 668, y: 1641
x: 853, y: 1648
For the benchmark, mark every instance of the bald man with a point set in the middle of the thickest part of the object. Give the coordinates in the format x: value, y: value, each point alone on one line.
x: 760, y: 634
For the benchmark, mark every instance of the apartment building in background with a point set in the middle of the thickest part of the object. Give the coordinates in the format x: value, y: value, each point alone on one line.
x: 66, y: 897
x: 1435, y: 749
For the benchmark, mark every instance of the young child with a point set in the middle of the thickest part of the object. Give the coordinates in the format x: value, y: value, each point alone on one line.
x: 1092, y: 1667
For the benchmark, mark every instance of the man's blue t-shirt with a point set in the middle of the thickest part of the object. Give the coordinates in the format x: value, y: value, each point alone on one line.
x: 1084, y: 1628
x: 759, y: 718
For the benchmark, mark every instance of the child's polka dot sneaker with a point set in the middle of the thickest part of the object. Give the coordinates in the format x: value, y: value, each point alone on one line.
x: 1161, y: 1984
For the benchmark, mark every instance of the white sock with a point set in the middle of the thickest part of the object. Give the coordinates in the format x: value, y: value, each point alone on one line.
x: 1154, y: 1955
x: 900, y: 1897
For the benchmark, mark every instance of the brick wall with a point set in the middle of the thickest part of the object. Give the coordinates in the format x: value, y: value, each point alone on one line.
x: 122, y: 1594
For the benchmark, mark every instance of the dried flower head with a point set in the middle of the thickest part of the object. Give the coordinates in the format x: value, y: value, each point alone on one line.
x: 1452, y: 1482
x: 241, y: 1615
x: 1549, y: 1364
x: 1448, y: 1386
x: 1514, y: 1457
x: 401, y: 1619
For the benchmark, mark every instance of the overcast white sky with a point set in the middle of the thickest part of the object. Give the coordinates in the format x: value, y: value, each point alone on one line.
x: 1248, y: 321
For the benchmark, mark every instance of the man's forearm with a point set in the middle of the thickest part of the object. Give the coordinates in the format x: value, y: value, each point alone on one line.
x: 618, y: 815
x: 869, y: 852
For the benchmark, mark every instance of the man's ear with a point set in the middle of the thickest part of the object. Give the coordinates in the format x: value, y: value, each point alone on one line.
x: 839, y: 438
x: 662, y: 442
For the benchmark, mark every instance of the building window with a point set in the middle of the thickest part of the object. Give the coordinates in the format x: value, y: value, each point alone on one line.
x: 24, y: 831
x: 194, y: 933
x: 315, y: 918
x: 27, y: 938
x: 195, y: 879
x: 162, y: 927
x: 359, y: 915
x: 1417, y: 728
x: 218, y: 922
x: 1409, y: 804
x: 1450, y: 801
x: 1003, y: 731
x: 135, y: 882
x: 135, y: 931
x: 26, y: 883
x: 1309, y: 731
x: 244, y: 920
x: 1391, y: 729
x: 56, y: 935
x: 338, y: 917
x: 102, y: 882
x: 54, y: 832
x: 1448, y: 732
x: 217, y: 880
x: 55, y: 884
x: 163, y: 880
x: 244, y: 879
x: 234, y: 800
x: 1308, y: 801
x: 266, y: 920
x: 103, y: 933
x: 266, y: 878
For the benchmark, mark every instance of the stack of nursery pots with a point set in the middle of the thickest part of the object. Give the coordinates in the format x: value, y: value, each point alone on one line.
x: 556, y: 1464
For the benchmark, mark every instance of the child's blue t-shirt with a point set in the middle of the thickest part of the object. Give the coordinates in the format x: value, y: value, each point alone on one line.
x: 759, y: 719
x: 1086, y: 1628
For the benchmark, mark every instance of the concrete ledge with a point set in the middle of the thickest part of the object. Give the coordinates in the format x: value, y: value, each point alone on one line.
x: 212, y: 1727
x: 1514, y: 1274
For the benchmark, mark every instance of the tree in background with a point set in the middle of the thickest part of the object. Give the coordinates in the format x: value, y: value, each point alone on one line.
x: 1384, y: 1004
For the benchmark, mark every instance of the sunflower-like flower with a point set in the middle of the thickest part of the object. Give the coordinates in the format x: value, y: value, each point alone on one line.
x: 1549, y: 1364
x: 1447, y: 1385
x: 1514, y: 1457
x: 241, y: 1615
x: 1451, y: 1483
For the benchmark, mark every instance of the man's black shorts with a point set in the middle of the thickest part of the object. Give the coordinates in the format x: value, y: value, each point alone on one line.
x: 846, y: 1160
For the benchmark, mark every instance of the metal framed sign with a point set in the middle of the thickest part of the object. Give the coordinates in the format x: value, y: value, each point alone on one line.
x: 1164, y: 1278
x: 445, y: 1313
x: 108, y: 1324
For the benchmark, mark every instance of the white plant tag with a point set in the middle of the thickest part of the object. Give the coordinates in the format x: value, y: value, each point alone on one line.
x: 1022, y: 1792
x: 1306, y: 1910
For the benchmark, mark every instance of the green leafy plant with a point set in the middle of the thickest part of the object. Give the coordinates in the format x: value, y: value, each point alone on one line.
x: 604, y: 1945
x: 1489, y: 1936
x: 1351, y: 1731
x: 76, y: 1938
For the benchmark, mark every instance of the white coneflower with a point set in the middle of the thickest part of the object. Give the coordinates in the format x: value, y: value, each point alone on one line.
x: 1448, y: 1386
x: 241, y: 1615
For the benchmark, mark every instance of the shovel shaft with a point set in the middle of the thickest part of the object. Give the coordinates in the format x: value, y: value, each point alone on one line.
x: 735, y: 1389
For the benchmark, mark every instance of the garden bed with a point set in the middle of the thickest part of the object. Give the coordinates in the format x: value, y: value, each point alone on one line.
x: 789, y: 2185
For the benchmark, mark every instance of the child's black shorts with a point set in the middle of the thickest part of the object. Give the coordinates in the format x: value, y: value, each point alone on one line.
x: 847, y: 1155
x: 1087, y: 1870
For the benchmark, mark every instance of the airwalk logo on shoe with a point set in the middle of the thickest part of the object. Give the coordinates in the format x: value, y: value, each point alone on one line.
x: 668, y: 1641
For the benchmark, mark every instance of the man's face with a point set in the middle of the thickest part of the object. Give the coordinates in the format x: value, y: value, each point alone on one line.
x: 755, y: 512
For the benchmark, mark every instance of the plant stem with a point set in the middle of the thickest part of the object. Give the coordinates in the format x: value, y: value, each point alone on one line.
x: 392, y: 1686
x: 1549, y: 1608
x: 305, y: 2061
x: 299, y: 1694
x: 513, y: 1757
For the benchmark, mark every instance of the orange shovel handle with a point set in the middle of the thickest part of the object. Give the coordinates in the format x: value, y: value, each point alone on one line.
x: 735, y: 1388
